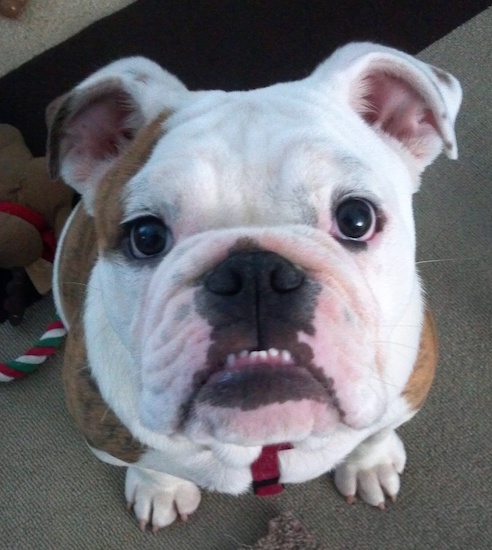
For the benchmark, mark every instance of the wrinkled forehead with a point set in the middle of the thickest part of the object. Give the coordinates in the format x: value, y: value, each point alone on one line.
x: 258, y: 157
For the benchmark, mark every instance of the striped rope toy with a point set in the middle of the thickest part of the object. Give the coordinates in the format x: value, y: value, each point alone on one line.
x: 46, y: 346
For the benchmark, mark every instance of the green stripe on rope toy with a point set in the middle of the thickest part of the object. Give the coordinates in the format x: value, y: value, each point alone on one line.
x: 46, y: 346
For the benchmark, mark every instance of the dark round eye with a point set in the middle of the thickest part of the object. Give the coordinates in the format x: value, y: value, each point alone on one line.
x: 355, y: 219
x: 149, y: 237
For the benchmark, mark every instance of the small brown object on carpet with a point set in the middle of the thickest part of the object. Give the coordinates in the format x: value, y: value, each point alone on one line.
x: 286, y: 532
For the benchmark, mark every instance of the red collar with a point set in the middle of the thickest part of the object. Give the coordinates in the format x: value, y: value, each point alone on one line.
x: 266, y: 472
x: 38, y: 221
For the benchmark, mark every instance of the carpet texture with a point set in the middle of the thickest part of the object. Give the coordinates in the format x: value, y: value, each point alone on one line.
x: 55, y: 494
x: 45, y: 23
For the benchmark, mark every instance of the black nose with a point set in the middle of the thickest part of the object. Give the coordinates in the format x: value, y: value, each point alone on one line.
x: 263, y: 271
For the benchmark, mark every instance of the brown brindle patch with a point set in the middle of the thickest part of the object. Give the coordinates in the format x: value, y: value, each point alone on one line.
x: 420, y: 380
x: 108, y: 209
x: 93, y: 416
x: 97, y: 422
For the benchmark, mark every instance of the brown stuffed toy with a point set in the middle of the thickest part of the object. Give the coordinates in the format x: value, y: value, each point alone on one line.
x: 33, y: 210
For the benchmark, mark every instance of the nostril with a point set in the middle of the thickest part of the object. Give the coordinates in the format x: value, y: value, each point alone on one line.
x: 286, y: 278
x: 224, y: 282
x: 249, y: 273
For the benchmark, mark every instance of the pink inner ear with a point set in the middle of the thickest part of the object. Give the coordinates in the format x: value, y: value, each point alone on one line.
x: 102, y: 128
x: 392, y: 105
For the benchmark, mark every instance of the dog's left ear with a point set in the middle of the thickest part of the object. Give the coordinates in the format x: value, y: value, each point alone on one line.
x: 410, y: 104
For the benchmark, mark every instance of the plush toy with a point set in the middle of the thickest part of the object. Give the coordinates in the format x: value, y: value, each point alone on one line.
x: 29, y: 361
x: 33, y: 210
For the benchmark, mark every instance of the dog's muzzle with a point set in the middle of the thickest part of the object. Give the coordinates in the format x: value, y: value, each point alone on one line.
x: 257, y: 300
x: 258, y: 303
x: 264, y: 297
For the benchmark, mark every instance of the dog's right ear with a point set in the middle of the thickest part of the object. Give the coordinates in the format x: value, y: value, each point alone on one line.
x: 90, y: 127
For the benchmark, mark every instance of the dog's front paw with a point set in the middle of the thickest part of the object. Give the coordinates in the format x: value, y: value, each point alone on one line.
x: 157, y: 499
x: 372, y: 470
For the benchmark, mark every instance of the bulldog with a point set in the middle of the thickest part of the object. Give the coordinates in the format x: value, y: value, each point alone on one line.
x: 239, y: 279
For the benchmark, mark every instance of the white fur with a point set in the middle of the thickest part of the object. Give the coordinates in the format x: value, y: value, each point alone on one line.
x: 157, y: 499
x: 372, y: 469
x: 265, y: 165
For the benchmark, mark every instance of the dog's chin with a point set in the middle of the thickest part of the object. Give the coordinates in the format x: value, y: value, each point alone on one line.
x: 262, y: 404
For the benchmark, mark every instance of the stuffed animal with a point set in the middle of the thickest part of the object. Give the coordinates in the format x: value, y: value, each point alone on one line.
x: 33, y: 210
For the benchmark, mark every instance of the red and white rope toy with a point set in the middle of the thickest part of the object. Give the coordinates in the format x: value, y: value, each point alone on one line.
x: 46, y: 346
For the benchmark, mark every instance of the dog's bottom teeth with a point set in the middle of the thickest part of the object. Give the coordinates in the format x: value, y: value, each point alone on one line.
x: 286, y: 356
x: 272, y: 355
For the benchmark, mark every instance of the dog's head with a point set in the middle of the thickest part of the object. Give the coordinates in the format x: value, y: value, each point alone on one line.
x: 256, y: 249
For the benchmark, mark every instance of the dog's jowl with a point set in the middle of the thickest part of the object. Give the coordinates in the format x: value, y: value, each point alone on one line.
x: 240, y: 273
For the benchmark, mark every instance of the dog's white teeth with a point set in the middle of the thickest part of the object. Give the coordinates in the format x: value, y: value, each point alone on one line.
x: 272, y: 355
x: 263, y: 355
x: 286, y: 356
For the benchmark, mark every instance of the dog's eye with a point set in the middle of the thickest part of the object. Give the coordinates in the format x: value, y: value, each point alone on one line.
x: 355, y: 219
x: 148, y: 236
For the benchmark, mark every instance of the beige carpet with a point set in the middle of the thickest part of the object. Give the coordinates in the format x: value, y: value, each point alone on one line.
x: 55, y: 495
x: 45, y: 23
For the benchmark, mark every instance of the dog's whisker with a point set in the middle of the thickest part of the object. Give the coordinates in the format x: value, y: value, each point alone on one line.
x: 74, y: 283
x: 105, y: 414
x: 237, y: 541
x: 384, y: 382
x: 81, y: 369
x: 471, y: 259
x: 399, y: 326
x: 395, y: 343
